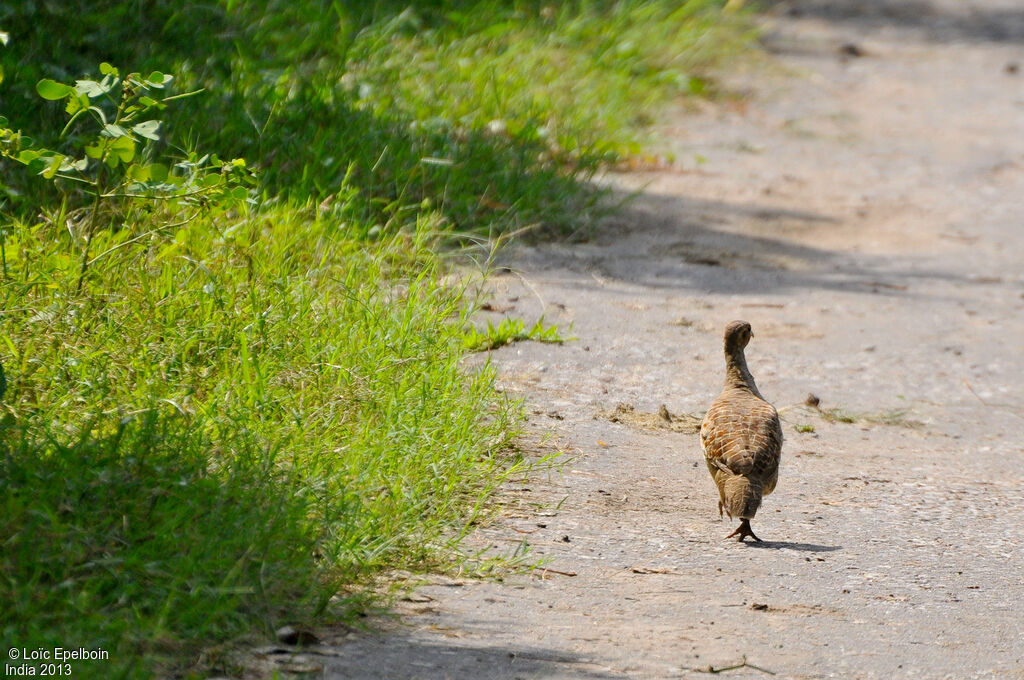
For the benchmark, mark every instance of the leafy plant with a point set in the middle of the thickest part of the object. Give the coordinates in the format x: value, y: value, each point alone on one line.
x: 498, y: 113
x: 109, y: 162
x: 507, y: 332
x: 246, y: 429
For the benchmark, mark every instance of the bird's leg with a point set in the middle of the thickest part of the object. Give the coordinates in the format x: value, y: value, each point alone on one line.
x: 720, y: 509
x: 743, y: 530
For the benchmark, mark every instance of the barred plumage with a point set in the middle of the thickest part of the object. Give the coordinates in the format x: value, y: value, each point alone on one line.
x: 741, y: 437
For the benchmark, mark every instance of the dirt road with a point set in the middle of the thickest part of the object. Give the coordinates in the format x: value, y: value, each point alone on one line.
x: 863, y: 208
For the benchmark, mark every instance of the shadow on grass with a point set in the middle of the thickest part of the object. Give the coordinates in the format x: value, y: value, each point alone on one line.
x: 274, y: 93
x: 139, y: 543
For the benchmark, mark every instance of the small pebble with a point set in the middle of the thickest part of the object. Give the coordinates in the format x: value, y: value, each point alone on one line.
x: 852, y: 50
x: 290, y: 635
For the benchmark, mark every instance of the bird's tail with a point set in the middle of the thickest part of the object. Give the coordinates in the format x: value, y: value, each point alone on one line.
x: 742, y: 497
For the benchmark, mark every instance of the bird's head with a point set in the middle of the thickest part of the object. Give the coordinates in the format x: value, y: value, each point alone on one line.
x: 737, y: 335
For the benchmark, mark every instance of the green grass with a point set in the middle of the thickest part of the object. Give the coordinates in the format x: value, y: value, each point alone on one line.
x: 508, y: 331
x: 244, y: 420
x: 495, y: 114
x: 229, y: 425
x: 580, y: 77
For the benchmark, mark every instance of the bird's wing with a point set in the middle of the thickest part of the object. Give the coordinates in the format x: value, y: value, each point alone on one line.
x: 721, y: 436
x: 772, y: 452
x: 742, y: 435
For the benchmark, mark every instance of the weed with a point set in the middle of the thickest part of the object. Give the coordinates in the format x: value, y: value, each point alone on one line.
x: 893, y: 417
x: 838, y: 415
x: 804, y: 428
x: 509, y: 331
x: 107, y: 175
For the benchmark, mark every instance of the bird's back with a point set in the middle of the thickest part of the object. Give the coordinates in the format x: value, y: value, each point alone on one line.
x: 742, y: 438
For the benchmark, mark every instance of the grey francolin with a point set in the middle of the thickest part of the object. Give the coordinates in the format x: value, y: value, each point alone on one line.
x: 741, y: 437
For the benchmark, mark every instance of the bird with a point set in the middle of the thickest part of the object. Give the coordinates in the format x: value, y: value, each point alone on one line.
x: 741, y: 437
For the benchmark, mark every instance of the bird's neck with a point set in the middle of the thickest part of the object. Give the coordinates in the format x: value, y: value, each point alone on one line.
x: 737, y: 375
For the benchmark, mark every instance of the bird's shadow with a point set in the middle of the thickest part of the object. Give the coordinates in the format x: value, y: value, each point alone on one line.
x: 779, y: 545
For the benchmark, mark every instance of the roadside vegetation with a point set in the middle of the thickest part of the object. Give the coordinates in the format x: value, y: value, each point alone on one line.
x: 231, y: 393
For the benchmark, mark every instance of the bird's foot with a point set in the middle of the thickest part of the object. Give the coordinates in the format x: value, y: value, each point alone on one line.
x: 743, y: 530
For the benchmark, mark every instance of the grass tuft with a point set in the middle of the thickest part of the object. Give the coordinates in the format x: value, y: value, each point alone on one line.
x: 228, y: 427
x: 509, y: 331
x: 893, y: 417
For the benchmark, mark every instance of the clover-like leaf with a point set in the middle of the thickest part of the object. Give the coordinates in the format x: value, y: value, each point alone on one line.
x: 139, y: 173
x: 123, y: 148
x: 91, y: 88
x: 77, y: 103
x: 158, y: 79
x: 27, y: 156
x: 79, y: 165
x: 115, y: 131
x: 158, y: 172
x: 54, y: 163
x: 148, y: 129
x: 52, y: 90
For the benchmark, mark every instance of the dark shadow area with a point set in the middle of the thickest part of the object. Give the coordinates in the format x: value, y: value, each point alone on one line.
x: 271, y: 92
x: 116, y: 541
x: 803, y: 547
x: 946, y: 23
x: 403, y: 655
x: 672, y: 242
